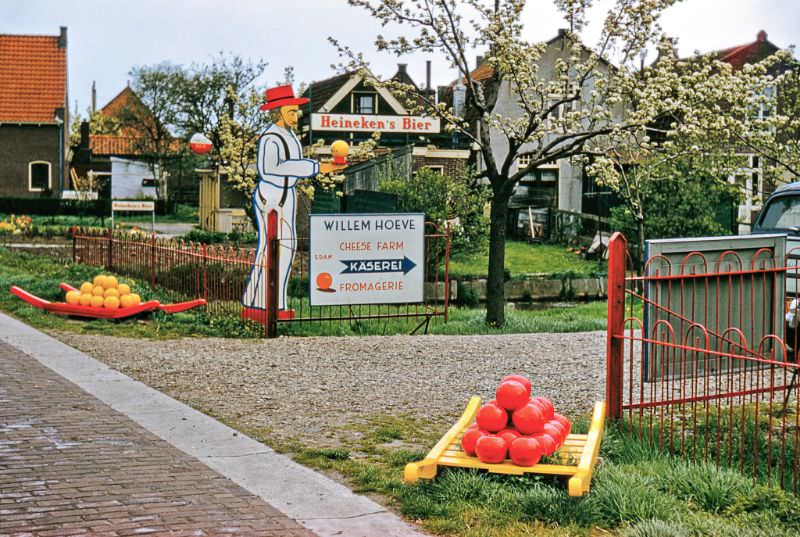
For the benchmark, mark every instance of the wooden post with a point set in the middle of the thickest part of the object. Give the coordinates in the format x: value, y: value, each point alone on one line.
x: 272, y: 288
x: 152, y: 261
x: 110, y: 264
x: 615, y: 345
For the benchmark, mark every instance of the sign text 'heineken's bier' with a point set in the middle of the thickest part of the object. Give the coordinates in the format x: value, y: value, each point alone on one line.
x: 373, y: 123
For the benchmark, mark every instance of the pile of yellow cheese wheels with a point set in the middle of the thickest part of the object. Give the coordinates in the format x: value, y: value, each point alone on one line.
x: 104, y: 292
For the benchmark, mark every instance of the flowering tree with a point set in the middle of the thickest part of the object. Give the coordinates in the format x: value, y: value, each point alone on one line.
x: 561, y: 99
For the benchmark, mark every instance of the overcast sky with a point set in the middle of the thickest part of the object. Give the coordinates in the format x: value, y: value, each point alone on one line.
x: 109, y: 37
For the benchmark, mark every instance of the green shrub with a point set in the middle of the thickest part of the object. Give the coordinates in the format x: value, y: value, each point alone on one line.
x: 466, y: 296
x: 710, y: 488
x: 443, y: 198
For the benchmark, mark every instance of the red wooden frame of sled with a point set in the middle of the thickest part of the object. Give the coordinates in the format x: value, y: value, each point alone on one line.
x: 62, y: 308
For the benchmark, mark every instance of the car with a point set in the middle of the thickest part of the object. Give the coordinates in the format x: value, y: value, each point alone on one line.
x: 781, y: 212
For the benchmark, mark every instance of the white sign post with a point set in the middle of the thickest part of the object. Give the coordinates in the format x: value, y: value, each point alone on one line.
x: 367, y: 259
x: 133, y: 206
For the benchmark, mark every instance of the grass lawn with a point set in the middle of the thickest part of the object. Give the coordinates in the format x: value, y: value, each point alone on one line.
x: 636, y: 492
x: 41, y: 276
x: 524, y: 258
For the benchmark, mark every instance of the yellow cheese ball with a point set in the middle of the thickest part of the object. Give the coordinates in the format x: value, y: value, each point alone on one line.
x: 135, y: 298
x: 98, y: 290
x: 86, y: 299
x: 110, y: 283
x: 97, y: 301
x: 86, y: 287
x: 126, y: 301
x: 99, y: 280
x: 110, y: 292
x: 73, y: 297
x: 111, y: 302
x: 124, y: 289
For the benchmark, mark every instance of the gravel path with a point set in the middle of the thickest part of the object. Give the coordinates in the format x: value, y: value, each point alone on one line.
x: 305, y: 387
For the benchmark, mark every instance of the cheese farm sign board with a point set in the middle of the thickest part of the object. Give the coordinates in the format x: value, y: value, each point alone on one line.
x: 367, y: 259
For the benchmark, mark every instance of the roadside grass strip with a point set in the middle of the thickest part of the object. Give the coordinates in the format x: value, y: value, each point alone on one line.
x: 637, y: 490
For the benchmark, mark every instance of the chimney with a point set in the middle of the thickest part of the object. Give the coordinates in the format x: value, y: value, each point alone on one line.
x: 62, y: 37
x: 428, y: 74
x: 478, y: 61
x: 401, y: 68
x: 94, y: 97
x: 562, y: 32
x: 84, y: 134
x: 762, y: 36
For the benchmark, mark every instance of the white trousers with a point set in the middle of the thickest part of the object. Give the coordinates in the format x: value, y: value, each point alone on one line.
x: 255, y: 294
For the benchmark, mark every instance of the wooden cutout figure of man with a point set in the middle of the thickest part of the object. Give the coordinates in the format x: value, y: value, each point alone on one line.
x: 280, y: 164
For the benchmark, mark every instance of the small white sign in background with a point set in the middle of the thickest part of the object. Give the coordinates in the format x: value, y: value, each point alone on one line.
x: 367, y: 258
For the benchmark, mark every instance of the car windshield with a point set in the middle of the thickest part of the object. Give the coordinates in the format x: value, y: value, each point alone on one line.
x: 782, y: 213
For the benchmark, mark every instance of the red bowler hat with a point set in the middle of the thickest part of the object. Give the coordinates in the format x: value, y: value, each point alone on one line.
x: 281, y: 96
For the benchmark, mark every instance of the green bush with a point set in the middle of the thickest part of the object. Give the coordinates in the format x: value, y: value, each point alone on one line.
x: 655, y: 528
x: 217, y: 237
x: 443, y: 198
x: 466, y: 296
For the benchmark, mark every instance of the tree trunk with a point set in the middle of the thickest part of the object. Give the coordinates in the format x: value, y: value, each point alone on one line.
x: 495, y: 287
x: 640, y: 260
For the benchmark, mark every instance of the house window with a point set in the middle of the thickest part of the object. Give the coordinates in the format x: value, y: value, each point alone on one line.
x: 38, y: 176
x: 365, y: 103
x: 438, y: 170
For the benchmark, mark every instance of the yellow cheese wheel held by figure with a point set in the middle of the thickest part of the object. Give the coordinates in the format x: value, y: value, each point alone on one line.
x: 110, y: 283
x: 86, y: 288
x: 86, y: 299
x: 111, y: 302
x: 97, y: 301
x: 111, y: 292
x: 98, y: 290
x: 124, y: 289
x: 73, y: 297
x: 99, y: 280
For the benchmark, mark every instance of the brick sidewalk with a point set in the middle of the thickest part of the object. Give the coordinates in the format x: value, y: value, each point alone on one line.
x: 71, y: 465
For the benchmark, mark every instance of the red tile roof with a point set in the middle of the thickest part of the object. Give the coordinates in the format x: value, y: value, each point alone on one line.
x: 754, y: 52
x: 33, y: 78
x: 111, y: 144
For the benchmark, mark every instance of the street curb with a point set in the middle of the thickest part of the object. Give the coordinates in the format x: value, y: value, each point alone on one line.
x: 322, y: 505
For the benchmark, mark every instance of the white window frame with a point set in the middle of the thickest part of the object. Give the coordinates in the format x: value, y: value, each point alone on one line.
x: 49, y: 176
x: 437, y: 168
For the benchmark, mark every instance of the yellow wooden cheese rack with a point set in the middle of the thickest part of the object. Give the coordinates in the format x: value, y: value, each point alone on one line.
x: 576, y: 458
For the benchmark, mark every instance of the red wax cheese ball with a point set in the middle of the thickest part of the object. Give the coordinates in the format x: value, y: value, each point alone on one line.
x: 528, y: 419
x: 492, y: 418
x: 509, y: 435
x: 511, y: 395
x: 547, y: 407
x: 491, y: 449
x: 522, y: 380
x: 562, y: 420
x: 525, y: 451
x: 547, y: 442
x: 554, y: 430
x: 470, y: 438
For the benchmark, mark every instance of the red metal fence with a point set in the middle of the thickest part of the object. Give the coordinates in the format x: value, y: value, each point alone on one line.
x: 218, y: 274
x: 700, y: 363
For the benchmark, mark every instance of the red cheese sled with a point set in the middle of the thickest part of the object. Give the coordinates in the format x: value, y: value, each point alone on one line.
x: 62, y: 308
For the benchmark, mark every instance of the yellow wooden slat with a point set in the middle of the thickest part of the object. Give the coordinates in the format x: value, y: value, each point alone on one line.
x: 576, y: 458
x: 581, y: 481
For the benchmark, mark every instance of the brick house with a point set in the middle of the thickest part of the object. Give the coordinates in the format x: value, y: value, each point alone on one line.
x: 751, y: 177
x: 34, y: 114
x: 350, y: 95
x: 116, y: 161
